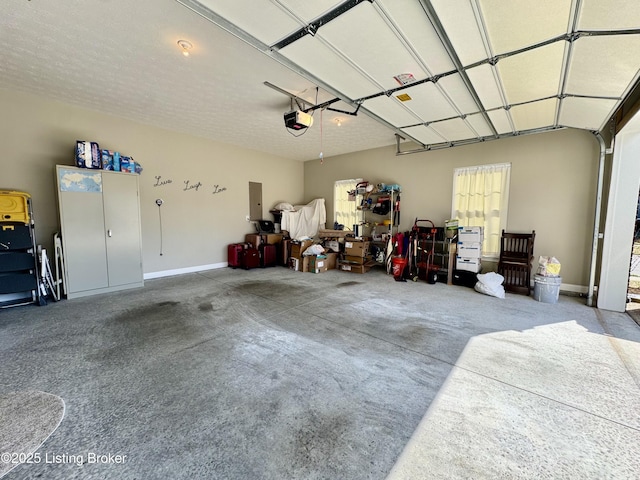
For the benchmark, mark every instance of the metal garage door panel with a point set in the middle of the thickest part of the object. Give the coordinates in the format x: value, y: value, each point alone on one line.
x: 534, y: 115
x: 426, y: 135
x: 532, y: 75
x: 460, y: 23
x: 372, y: 47
x: 391, y: 110
x: 415, y: 25
x: 455, y: 129
x: 484, y: 82
x: 595, y: 71
x: 308, y: 11
x: 520, y: 23
x: 272, y: 24
x: 480, y: 125
x: 500, y: 119
x: 428, y: 103
x: 312, y: 54
x: 456, y: 89
x: 609, y: 15
x: 589, y: 113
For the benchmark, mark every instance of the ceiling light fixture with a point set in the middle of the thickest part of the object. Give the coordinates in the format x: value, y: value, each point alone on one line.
x: 185, y: 45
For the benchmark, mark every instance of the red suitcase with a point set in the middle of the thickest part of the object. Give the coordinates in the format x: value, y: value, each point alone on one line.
x: 234, y: 254
x: 250, y: 258
x: 268, y: 256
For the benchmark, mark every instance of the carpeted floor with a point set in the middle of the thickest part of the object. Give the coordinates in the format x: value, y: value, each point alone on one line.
x: 272, y: 374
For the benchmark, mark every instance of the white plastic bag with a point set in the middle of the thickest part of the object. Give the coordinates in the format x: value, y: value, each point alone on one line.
x: 549, y: 267
x: 490, y: 284
x: 316, y: 249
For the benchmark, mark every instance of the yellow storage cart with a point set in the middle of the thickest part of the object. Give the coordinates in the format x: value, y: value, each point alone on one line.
x: 14, y: 206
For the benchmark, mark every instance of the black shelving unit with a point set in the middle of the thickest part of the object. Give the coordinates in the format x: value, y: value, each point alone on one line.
x: 18, y: 252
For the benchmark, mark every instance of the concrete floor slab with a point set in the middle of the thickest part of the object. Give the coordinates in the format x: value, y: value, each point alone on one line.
x: 481, y: 428
x: 275, y: 374
x: 559, y: 361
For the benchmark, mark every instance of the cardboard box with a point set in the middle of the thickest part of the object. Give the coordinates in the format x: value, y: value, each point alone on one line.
x: 317, y: 263
x: 349, y: 267
x: 270, y: 238
x: 332, y: 260
x: 469, y: 250
x: 298, y: 248
x: 332, y: 245
x: 451, y: 228
x: 284, y: 252
x: 356, y: 248
x: 470, y: 234
x: 469, y: 264
x: 356, y: 260
x: 299, y: 264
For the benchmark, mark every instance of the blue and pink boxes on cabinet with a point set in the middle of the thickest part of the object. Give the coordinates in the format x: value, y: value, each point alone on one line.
x: 89, y: 155
x: 119, y: 163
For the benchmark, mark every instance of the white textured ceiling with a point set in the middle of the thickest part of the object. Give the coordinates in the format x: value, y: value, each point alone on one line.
x: 482, y: 68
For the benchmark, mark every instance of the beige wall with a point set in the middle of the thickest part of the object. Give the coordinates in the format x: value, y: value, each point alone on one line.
x: 553, y: 185
x: 36, y: 134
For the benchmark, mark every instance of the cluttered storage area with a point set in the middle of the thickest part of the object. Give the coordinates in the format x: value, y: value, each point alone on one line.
x: 450, y: 253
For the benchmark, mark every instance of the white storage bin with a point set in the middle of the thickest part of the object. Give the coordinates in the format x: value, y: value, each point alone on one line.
x: 470, y: 234
x: 469, y: 250
x: 469, y: 264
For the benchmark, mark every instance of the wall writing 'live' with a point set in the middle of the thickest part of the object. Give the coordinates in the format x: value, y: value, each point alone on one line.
x: 189, y: 185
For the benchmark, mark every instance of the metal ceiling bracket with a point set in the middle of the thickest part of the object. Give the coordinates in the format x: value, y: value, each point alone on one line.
x: 470, y: 141
x: 313, y: 27
x: 571, y: 37
x: 354, y: 113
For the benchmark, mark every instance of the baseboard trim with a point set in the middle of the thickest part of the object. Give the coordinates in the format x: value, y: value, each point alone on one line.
x: 571, y: 288
x: 182, y: 271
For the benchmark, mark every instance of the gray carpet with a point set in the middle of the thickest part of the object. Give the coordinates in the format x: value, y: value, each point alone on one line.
x: 27, y: 419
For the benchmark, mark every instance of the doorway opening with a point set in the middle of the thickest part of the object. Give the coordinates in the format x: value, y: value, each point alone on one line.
x: 633, y: 287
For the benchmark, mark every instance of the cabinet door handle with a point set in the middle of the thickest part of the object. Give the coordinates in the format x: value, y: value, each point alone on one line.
x: 109, y: 233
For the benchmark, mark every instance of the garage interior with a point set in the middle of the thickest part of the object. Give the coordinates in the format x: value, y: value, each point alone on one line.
x: 212, y: 372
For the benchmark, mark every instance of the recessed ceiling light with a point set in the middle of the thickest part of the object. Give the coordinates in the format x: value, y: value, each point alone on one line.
x: 185, y: 45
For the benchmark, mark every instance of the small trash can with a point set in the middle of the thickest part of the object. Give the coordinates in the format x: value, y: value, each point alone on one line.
x: 546, y: 289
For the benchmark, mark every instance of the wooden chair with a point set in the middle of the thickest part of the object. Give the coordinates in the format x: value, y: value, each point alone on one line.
x: 516, y: 258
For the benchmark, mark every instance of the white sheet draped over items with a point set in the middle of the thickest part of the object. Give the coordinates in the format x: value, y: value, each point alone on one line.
x: 306, y: 220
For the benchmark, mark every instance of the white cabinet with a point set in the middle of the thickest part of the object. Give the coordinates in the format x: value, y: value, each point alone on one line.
x: 101, y: 235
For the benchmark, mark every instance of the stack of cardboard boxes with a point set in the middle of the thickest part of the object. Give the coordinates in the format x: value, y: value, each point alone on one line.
x: 469, y: 252
x: 310, y: 263
x: 357, y: 258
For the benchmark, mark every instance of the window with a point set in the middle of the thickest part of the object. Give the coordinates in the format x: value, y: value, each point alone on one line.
x: 344, y: 208
x: 481, y: 199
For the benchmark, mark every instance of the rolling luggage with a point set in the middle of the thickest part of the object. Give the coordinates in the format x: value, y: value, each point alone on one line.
x: 268, y: 257
x: 250, y: 258
x: 235, y: 252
